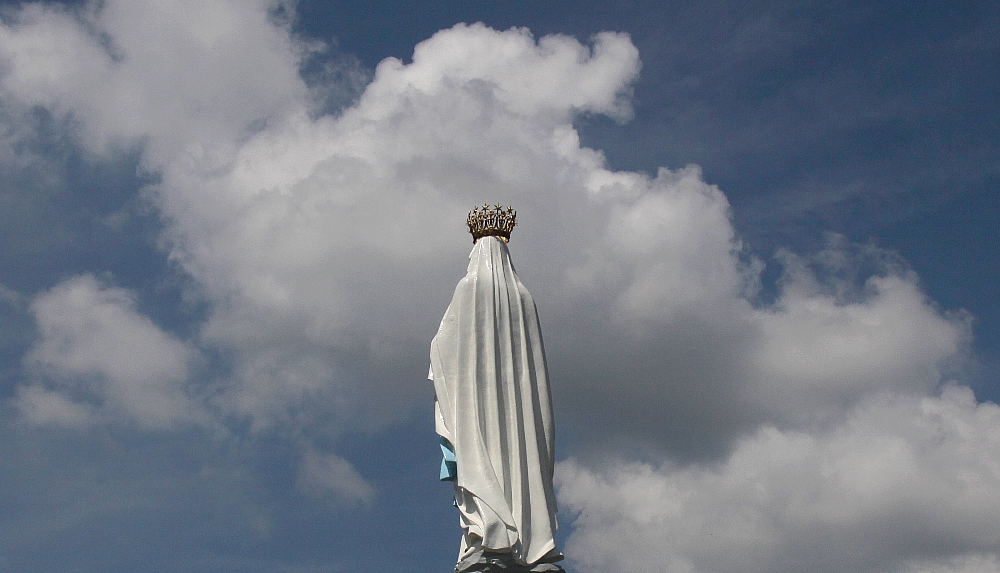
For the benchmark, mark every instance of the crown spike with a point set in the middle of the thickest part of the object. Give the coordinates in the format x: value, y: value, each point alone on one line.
x: 496, y: 222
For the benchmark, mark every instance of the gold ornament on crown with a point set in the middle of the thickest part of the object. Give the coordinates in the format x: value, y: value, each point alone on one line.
x: 496, y: 222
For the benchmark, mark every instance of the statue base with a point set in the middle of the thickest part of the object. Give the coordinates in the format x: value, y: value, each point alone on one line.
x: 486, y: 562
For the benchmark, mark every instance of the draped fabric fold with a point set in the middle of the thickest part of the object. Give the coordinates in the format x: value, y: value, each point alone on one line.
x: 493, y: 405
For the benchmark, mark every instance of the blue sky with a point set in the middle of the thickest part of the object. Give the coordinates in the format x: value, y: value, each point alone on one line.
x: 762, y: 239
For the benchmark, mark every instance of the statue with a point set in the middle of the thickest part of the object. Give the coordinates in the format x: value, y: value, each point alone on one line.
x: 493, y: 410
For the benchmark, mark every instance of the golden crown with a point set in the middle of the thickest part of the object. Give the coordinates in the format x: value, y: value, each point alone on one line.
x: 496, y: 222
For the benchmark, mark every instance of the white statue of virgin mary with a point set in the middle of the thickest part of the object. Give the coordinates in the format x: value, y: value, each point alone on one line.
x: 493, y: 410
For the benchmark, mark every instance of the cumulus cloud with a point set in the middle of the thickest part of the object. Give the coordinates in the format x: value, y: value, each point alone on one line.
x: 326, y: 236
x: 325, y: 248
x: 904, y: 484
x: 184, y: 77
x: 323, y: 474
x: 679, y: 354
x: 985, y: 563
x: 98, y: 358
x: 829, y: 341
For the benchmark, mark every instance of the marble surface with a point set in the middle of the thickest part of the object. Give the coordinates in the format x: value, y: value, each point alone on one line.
x: 493, y: 405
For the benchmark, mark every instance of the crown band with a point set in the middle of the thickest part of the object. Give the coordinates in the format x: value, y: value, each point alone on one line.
x: 496, y: 222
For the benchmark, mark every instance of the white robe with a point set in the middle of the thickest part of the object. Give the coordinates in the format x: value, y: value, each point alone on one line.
x: 494, y: 406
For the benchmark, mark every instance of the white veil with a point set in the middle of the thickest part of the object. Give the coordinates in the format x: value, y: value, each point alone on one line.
x: 494, y: 406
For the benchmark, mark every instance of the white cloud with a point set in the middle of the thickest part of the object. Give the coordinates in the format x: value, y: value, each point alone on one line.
x: 554, y: 74
x: 41, y: 406
x: 323, y: 474
x: 187, y: 77
x: 822, y: 349
x: 327, y: 236
x: 904, y: 484
x: 974, y: 563
x: 98, y: 358
x: 673, y: 244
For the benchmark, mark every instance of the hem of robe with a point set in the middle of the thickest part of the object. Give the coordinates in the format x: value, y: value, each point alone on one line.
x: 512, y: 547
